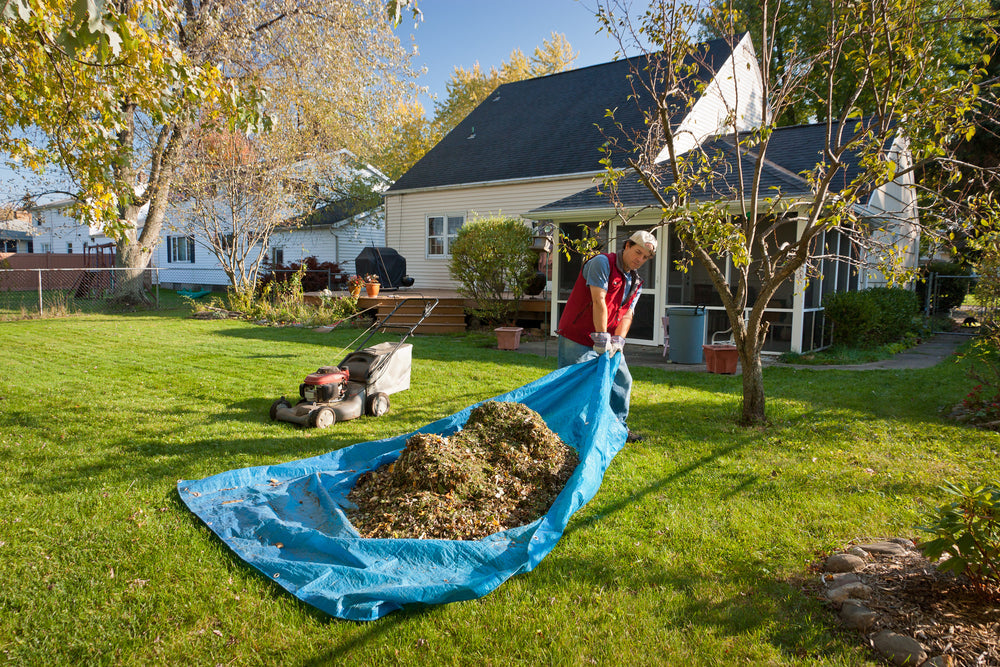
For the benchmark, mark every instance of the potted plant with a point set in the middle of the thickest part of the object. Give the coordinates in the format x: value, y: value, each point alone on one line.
x: 354, y: 285
x: 372, y: 284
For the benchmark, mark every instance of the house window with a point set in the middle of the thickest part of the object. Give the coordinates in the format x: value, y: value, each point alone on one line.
x: 224, y: 242
x: 69, y: 248
x: 180, y: 249
x: 277, y: 255
x: 441, y: 232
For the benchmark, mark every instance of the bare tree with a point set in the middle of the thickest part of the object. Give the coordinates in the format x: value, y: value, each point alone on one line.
x: 749, y: 222
x: 232, y: 195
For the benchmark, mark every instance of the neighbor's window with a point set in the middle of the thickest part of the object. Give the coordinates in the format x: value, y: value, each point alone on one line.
x: 441, y: 231
x: 277, y: 255
x: 224, y: 242
x: 180, y: 249
x: 69, y: 248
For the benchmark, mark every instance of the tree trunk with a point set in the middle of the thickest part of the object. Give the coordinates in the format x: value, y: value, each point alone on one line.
x: 753, y: 384
x: 130, y: 280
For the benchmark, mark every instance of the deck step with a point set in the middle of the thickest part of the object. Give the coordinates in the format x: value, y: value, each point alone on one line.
x: 447, y: 317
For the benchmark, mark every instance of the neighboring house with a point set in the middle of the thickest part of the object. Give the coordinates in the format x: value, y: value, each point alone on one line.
x: 55, y: 230
x: 336, y: 232
x: 532, y: 150
x: 15, y: 231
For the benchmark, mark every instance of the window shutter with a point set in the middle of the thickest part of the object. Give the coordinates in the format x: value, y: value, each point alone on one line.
x: 190, y: 241
x: 170, y: 249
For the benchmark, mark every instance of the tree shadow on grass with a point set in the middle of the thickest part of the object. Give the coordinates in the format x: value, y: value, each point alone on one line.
x: 735, y: 601
x: 601, y: 512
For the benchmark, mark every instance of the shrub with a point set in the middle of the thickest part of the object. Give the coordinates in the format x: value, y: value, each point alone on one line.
x: 981, y: 406
x: 948, y: 292
x: 282, y: 302
x: 491, y: 259
x: 968, y: 531
x: 871, y: 317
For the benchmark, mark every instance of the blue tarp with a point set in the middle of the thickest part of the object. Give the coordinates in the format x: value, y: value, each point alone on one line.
x: 288, y: 522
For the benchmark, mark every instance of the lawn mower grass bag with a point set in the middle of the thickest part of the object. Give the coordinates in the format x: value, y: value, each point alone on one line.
x: 288, y: 522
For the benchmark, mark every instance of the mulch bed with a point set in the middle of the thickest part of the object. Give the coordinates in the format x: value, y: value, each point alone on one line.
x: 945, y: 613
x: 502, y: 470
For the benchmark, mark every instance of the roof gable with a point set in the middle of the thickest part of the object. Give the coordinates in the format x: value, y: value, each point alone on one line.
x: 542, y: 127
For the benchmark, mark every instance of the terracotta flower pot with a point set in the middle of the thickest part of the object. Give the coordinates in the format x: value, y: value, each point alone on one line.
x: 372, y: 288
x: 356, y: 291
x: 721, y: 359
x: 508, y: 338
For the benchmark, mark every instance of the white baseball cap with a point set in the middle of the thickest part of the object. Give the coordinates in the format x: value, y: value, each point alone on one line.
x: 645, y: 239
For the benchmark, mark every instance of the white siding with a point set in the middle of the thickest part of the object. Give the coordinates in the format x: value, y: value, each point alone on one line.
x: 205, y: 269
x: 406, y: 217
x: 339, y: 243
x: 732, y: 101
x: 897, y: 201
x: 57, y: 230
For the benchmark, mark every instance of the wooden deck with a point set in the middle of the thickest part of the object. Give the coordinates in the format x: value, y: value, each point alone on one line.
x: 449, y: 315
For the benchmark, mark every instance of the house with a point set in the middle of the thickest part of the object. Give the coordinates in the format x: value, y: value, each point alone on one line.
x: 532, y: 149
x: 337, y: 231
x: 15, y: 231
x: 54, y: 229
x: 795, y: 313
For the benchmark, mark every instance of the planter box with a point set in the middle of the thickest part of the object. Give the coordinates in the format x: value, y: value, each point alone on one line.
x: 721, y: 358
x: 508, y: 338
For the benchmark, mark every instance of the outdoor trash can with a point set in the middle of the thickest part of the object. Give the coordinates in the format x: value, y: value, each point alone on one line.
x: 687, y: 334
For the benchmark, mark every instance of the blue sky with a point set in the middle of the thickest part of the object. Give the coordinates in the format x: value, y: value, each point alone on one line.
x: 460, y: 33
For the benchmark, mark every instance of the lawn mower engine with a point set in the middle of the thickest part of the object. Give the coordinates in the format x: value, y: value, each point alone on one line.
x: 361, y: 384
x: 327, y: 384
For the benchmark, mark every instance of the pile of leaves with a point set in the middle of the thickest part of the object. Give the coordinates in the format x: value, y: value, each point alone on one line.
x: 502, y: 470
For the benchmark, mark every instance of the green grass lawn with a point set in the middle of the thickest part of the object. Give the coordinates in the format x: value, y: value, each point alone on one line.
x: 689, y: 553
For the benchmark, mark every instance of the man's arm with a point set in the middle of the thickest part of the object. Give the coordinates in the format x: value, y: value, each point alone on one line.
x: 624, y: 325
x: 598, y: 299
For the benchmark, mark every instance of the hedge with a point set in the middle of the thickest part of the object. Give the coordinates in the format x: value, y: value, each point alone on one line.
x: 871, y: 317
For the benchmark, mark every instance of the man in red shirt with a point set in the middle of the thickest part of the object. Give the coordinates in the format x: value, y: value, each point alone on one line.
x: 599, y: 311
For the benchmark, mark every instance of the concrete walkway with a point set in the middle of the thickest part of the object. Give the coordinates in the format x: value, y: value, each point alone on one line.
x: 929, y: 353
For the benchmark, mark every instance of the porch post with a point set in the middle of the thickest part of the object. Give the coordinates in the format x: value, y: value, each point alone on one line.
x: 554, y: 292
x: 798, y: 297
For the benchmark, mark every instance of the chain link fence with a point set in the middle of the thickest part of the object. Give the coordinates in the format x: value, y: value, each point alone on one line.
x: 26, y: 293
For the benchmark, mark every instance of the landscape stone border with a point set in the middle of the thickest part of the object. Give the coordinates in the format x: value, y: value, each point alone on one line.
x: 845, y: 590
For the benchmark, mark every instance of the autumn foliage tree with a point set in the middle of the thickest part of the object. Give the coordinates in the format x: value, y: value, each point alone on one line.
x: 115, y: 92
x: 901, y: 107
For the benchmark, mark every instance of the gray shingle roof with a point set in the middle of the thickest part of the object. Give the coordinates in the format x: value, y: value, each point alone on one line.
x: 540, y: 127
x: 791, y: 150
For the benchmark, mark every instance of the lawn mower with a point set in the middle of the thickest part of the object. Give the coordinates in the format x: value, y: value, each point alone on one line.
x: 362, y: 382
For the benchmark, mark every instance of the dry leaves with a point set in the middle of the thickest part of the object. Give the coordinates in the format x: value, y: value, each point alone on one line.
x: 502, y: 470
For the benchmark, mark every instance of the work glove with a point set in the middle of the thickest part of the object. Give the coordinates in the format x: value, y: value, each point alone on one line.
x: 602, y: 341
x: 617, y: 345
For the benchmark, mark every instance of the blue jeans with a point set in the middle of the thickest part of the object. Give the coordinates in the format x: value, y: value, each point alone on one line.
x: 571, y: 352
